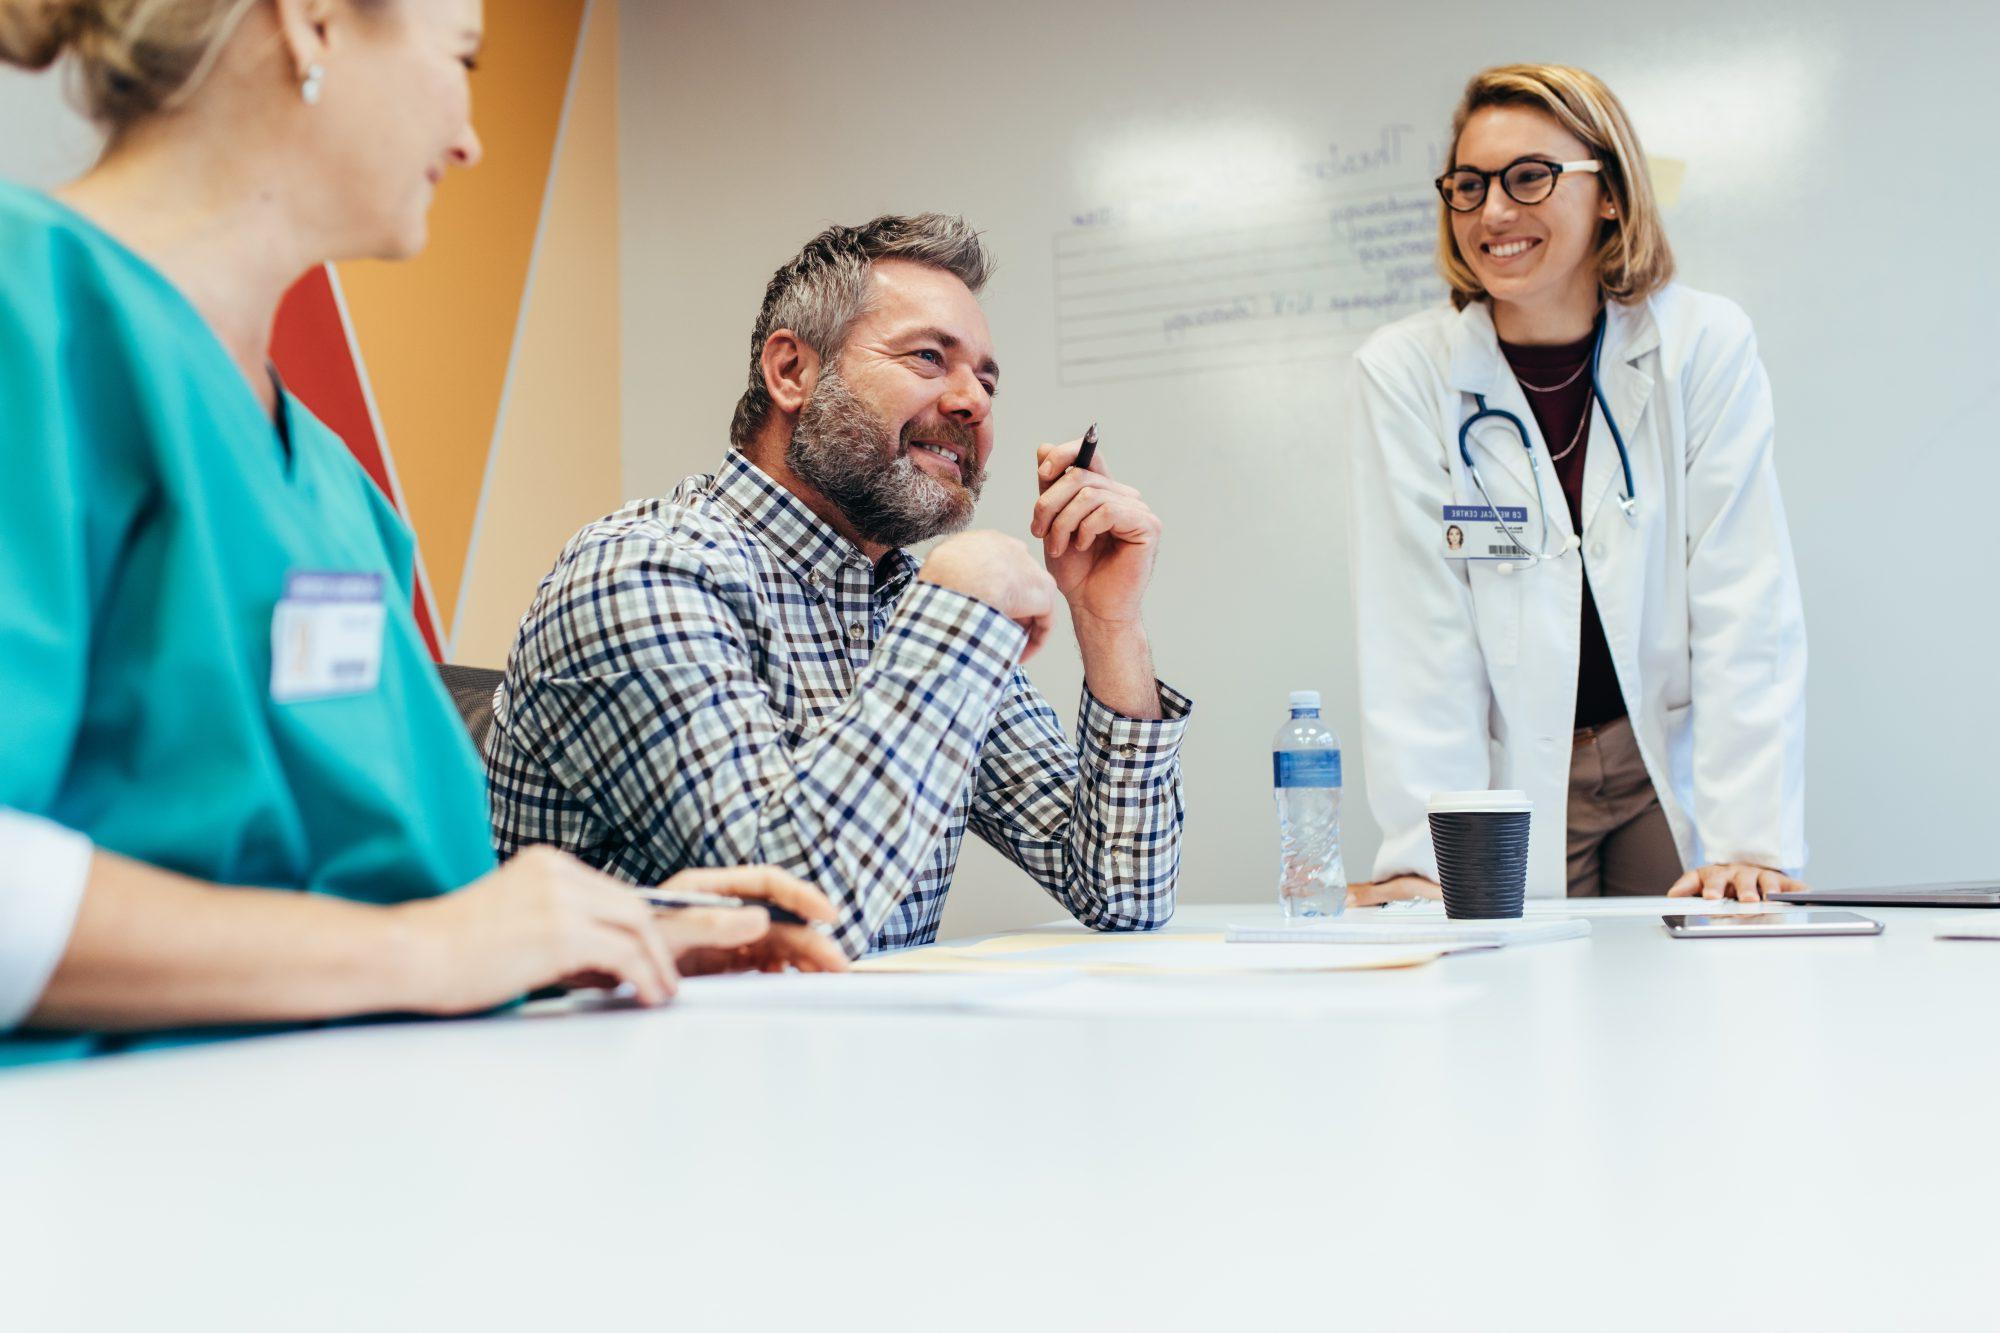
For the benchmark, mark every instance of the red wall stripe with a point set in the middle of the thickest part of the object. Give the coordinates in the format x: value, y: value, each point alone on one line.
x: 314, y: 355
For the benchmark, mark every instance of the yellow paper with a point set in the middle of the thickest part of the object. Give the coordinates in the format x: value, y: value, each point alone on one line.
x: 1667, y: 173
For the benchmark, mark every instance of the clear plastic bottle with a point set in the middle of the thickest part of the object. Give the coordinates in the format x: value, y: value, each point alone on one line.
x: 1305, y: 773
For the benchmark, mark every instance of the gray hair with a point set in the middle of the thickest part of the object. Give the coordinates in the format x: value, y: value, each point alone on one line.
x: 823, y: 291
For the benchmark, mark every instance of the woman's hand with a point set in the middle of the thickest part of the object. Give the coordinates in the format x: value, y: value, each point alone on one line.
x: 1734, y: 879
x: 546, y: 919
x: 1393, y: 889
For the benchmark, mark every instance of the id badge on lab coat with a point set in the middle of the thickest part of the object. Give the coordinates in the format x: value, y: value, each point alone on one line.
x: 1470, y: 533
x: 326, y: 636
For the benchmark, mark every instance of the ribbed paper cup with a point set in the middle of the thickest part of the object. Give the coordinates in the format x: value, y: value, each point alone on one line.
x: 1481, y: 841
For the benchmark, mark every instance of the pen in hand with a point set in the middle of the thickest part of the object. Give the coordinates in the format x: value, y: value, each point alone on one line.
x: 674, y: 899
x: 1088, y: 449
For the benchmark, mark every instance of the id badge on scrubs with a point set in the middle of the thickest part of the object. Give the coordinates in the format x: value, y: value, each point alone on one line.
x: 326, y: 636
x: 1470, y: 533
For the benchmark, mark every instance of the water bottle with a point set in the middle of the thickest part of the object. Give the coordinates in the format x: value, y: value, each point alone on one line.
x: 1305, y: 771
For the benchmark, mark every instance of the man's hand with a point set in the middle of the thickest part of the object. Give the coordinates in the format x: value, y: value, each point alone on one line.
x: 1735, y: 879
x: 1099, y: 538
x: 780, y: 947
x: 1394, y: 889
x: 997, y: 570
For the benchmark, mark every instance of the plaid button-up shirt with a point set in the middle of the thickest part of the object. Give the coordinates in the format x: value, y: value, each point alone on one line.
x: 719, y: 678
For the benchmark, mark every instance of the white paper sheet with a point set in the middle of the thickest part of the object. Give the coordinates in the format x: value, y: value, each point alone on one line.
x: 861, y: 990
x: 1206, y: 954
x: 1377, y: 928
x: 1069, y: 994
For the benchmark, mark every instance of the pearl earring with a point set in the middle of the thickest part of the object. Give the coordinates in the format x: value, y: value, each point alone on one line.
x: 312, y: 85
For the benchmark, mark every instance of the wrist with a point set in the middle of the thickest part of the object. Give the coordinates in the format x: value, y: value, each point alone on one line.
x: 406, y: 966
x: 1106, y: 629
x: 1118, y: 666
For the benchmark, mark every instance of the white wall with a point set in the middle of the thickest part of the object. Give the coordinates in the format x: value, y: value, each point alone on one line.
x: 1831, y: 188
x: 43, y: 141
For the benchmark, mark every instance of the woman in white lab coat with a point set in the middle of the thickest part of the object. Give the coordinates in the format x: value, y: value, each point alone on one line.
x: 1638, y: 665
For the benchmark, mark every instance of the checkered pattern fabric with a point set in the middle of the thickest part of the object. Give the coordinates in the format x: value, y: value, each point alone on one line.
x: 719, y: 678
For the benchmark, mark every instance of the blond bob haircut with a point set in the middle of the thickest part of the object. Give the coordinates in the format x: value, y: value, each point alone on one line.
x: 130, y: 59
x: 1633, y: 258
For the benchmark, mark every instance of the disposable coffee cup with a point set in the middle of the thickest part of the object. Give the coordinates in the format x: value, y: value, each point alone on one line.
x: 1481, y: 841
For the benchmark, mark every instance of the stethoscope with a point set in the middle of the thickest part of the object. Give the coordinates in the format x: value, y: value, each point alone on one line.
x: 1628, y: 502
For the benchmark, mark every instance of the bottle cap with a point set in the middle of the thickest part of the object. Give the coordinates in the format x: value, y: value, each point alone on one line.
x: 1305, y: 698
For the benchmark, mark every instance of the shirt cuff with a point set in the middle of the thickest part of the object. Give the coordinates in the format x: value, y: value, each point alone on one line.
x: 43, y: 869
x: 937, y: 629
x: 1128, y: 749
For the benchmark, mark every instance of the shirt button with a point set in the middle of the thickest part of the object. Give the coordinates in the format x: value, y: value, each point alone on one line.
x: 1128, y: 748
x: 857, y: 631
x: 814, y: 579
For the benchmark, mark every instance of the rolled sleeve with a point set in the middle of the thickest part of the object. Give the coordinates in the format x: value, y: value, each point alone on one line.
x: 43, y: 870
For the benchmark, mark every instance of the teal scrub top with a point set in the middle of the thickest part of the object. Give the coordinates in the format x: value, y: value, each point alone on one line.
x: 150, y: 513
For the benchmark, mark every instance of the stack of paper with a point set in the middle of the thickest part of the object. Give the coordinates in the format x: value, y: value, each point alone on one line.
x: 1408, y: 929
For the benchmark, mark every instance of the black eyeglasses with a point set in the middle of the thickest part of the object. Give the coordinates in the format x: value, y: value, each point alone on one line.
x: 1527, y: 180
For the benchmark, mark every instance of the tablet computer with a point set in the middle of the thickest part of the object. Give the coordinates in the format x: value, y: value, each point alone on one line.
x: 1742, y: 925
x: 1975, y: 893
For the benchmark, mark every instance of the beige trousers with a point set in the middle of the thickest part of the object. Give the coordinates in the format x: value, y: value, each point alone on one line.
x: 1619, y: 841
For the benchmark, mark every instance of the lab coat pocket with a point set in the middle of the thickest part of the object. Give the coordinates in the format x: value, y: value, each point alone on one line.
x: 1496, y: 611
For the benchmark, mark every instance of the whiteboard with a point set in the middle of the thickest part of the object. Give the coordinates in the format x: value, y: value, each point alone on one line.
x: 1193, y: 205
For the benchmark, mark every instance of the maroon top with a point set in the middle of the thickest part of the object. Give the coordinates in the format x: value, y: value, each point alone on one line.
x: 1556, y: 382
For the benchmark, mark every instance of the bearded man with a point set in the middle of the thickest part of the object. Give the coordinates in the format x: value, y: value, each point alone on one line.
x: 754, y: 670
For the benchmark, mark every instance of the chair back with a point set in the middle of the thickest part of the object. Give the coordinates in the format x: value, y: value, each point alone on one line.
x: 472, y: 690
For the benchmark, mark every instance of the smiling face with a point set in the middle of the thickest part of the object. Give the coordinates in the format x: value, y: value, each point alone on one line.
x: 1534, y: 260
x: 395, y: 116
x: 898, y: 428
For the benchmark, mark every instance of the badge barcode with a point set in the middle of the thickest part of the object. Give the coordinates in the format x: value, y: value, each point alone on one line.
x: 1510, y: 550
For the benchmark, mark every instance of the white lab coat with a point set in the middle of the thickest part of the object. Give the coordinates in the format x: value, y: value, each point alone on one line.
x: 1468, y: 670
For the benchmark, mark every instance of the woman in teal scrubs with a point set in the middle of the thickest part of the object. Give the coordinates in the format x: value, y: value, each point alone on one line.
x: 207, y: 655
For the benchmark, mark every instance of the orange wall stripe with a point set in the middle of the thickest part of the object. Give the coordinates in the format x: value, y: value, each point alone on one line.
x: 436, y: 332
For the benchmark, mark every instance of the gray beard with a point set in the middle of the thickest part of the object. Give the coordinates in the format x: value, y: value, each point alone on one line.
x: 845, y: 452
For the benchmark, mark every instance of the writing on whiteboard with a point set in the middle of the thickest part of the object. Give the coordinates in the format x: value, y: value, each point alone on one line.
x: 1329, y: 250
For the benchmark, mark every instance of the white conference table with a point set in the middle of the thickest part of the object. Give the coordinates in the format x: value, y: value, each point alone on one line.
x: 1622, y: 1132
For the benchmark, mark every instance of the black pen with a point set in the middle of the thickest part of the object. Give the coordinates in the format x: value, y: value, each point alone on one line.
x: 670, y: 900
x: 674, y: 900
x: 1088, y: 450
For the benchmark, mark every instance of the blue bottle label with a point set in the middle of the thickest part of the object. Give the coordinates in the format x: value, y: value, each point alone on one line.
x: 1305, y: 768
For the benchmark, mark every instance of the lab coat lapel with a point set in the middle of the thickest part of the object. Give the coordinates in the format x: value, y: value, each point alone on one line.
x: 1629, y: 334
x: 1477, y: 367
